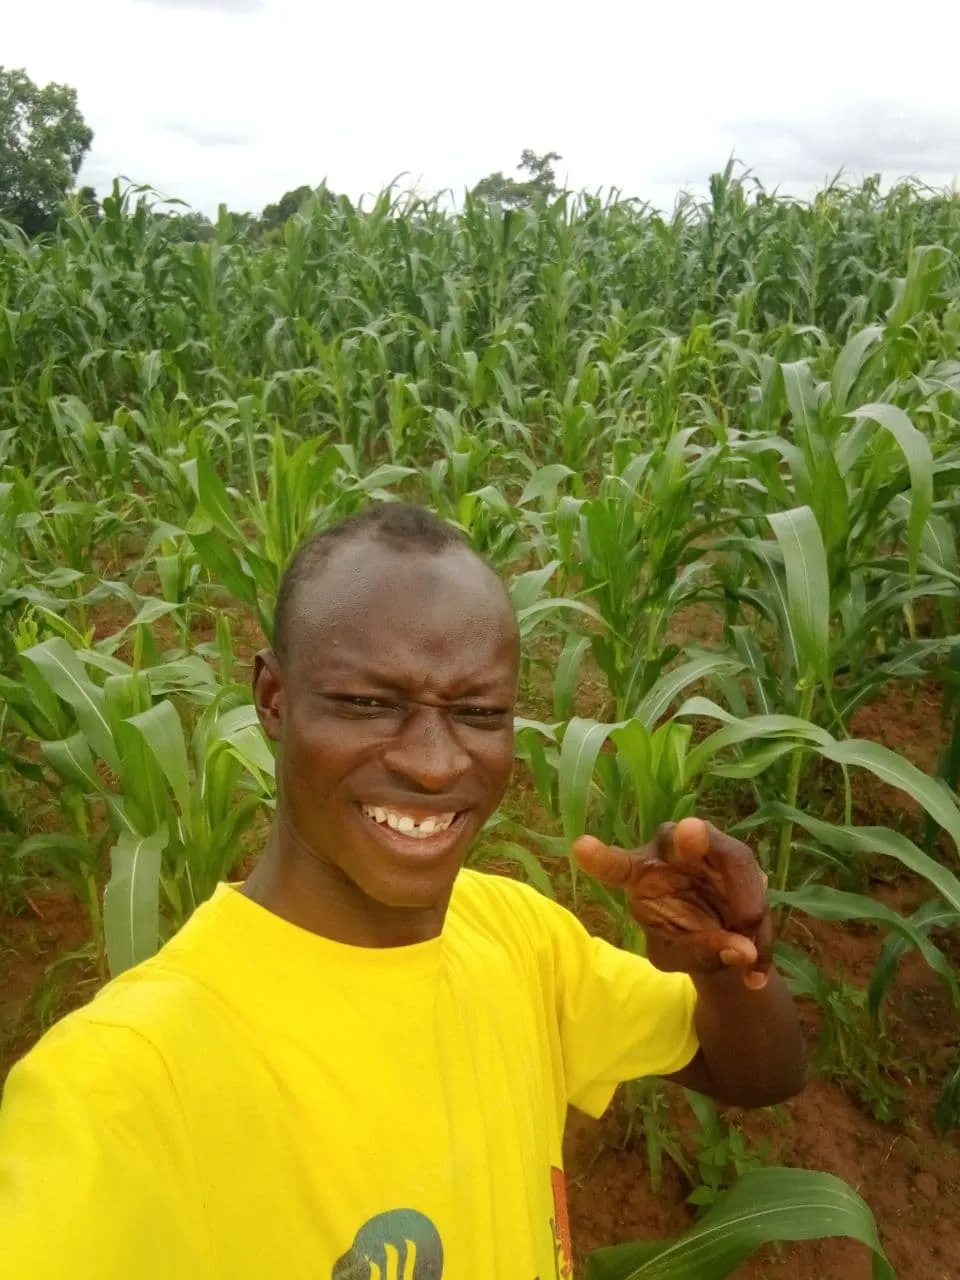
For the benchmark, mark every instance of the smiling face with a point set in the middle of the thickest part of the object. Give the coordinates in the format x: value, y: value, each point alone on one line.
x: 393, y: 710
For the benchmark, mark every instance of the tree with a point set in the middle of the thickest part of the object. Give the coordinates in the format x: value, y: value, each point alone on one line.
x: 275, y: 215
x: 43, y: 139
x: 508, y: 191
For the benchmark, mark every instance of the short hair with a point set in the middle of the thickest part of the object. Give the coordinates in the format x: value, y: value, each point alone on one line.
x: 401, y: 526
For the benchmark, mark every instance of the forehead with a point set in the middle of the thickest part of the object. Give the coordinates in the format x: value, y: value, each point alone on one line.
x: 428, y: 620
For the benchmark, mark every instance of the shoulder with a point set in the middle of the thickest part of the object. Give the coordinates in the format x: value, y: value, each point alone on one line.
x: 131, y: 1027
x: 116, y: 1038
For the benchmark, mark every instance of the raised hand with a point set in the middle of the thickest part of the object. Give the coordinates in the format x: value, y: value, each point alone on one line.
x: 698, y: 894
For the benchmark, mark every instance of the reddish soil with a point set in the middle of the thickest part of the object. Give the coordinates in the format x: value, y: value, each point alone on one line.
x: 37, y: 983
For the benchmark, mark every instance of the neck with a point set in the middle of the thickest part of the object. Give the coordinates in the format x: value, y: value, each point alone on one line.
x: 302, y: 887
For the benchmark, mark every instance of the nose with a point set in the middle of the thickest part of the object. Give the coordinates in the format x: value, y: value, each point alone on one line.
x: 426, y: 753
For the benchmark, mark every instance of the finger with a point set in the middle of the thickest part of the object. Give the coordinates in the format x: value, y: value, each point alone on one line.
x: 757, y: 977
x: 691, y: 840
x: 733, y: 949
x: 605, y: 862
x: 735, y: 879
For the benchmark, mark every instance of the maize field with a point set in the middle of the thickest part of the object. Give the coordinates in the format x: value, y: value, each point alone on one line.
x: 716, y: 456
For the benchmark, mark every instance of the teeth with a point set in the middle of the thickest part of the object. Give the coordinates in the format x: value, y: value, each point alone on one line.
x: 407, y: 825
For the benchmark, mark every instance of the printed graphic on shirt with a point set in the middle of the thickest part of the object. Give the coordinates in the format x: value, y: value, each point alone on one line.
x: 401, y: 1244
x: 560, y: 1223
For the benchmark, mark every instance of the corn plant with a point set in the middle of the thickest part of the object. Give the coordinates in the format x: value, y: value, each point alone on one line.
x: 113, y: 739
x: 762, y: 1206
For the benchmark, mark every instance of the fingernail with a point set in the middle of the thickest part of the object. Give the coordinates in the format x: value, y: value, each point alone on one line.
x: 755, y: 980
x: 730, y: 957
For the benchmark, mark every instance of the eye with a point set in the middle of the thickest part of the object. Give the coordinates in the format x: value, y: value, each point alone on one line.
x: 483, y: 717
x: 361, y: 704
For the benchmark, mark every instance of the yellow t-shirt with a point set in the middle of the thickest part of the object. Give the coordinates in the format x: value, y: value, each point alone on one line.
x: 260, y: 1103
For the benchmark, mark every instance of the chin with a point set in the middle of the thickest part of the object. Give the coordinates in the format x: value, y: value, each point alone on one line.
x: 410, y: 891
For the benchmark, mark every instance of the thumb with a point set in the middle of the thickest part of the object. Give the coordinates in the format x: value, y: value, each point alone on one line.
x: 604, y: 862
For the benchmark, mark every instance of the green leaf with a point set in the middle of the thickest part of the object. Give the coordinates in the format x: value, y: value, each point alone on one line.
x: 673, y: 683
x: 582, y: 743
x: 384, y: 476
x: 761, y: 1206
x: 808, y: 585
x: 932, y: 915
x: 73, y: 760
x: 224, y: 566
x: 801, y: 396
x: 162, y: 734
x: 528, y: 618
x: 931, y: 793
x: 567, y: 675
x: 131, y: 901
x: 543, y: 481
x: 527, y: 588
x: 527, y: 861
x: 867, y: 841
x: 63, y: 672
x: 850, y: 364
x: 916, y: 450
x: 747, y: 729
x: 824, y: 903
x: 212, y: 496
x: 239, y: 731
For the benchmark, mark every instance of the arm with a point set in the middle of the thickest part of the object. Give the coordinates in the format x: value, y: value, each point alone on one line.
x: 751, y: 1047
x: 701, y: 899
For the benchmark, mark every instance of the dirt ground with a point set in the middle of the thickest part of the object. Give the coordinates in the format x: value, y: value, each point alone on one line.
x: 907, y: 1173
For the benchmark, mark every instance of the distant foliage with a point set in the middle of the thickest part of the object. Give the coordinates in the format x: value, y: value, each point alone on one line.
x: 43, y: 139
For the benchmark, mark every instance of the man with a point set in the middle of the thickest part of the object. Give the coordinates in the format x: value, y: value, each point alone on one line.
x: 359, y: 1064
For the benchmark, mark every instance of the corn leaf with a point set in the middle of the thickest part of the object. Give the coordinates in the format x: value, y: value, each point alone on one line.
x: 762, y: 1206
x: 916, y: 450
x: 866, y: 841
x: 825, y: 903
x: 850, y: 363
x: 73, y: 761
x: 669, y: 686
x: 162, y: 733
x: 63, y: 672
x: 131, y: 900
x: 890, y: 767
x: 808, y: 585
x: 932, y: 915
x: 582, y: 742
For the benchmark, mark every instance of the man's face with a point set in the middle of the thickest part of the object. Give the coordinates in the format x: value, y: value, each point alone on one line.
x: 394, y: 713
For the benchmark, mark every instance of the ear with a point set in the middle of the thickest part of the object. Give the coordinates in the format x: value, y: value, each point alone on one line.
x: 268, y: 692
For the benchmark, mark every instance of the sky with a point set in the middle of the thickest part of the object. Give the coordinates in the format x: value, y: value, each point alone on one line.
x: 242, y: 100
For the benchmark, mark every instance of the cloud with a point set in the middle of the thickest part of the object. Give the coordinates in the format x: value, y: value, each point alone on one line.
x: 210, y: 6
x: 870, y: 138
x: 203, y: 137
x: 892, y: 139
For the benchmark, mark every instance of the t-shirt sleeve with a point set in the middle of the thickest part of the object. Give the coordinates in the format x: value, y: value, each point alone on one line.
x: 93, y: 1180
x: 620, y: 1018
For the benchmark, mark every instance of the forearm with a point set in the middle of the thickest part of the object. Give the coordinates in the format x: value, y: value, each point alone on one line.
x: 751, y: 1046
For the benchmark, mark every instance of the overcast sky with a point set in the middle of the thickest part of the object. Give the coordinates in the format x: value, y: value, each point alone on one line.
x: 241, y: 100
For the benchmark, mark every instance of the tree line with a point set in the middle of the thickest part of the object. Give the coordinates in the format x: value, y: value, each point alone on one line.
x: 44, y: 140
